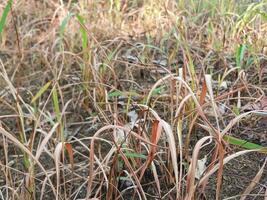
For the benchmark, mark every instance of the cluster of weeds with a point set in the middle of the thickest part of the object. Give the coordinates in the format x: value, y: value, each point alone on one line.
x: 119, y: 99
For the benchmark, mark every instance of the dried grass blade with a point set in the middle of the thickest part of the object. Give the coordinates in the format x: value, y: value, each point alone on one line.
x: 155, y: 174
x: 234, y: 121
x: 225, y: 161
x: 156, y: 132
x: 155, y: 135
x: 24, y: 149
x: 69, y: 149
x: 92, y: 155
x: 128, y: 164
x: 208, y: 80
x: 220, y: 171
x: 254, y: 181
x: 45, y: 141
x: 57, y: 154
x: 171, y: 140
x: 192, y: 168
x: 203, y: 93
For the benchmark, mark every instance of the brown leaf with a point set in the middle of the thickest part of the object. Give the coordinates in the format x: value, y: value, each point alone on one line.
x: 156, y: 131
x: 203, y: 93
x: 70, y: 153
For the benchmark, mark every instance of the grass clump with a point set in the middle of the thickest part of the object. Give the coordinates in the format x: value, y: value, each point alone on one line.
x: 133, y: 99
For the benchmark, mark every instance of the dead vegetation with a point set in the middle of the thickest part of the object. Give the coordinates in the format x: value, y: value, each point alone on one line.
x: 133, y: 99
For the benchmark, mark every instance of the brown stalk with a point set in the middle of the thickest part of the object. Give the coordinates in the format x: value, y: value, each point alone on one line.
x: 221, y: 152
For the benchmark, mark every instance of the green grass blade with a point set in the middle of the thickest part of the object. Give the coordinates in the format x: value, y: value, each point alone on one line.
x: 64, y: 24
x: 4, y: 15
x: 115, y: 93
x: 84, y: 37
x: 241, y: 143
x: 158, y: 90
x: 83, y: 32
x: 41, y: 91
x: 58, y: 114
x: 56, y: 104
x: 135, y: 155
x: 240, y: 55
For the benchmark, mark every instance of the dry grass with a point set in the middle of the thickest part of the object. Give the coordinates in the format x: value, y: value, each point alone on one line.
x: 122, y: 99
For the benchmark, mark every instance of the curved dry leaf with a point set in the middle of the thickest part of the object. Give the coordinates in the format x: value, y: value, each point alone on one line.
x: 155, y: 135
x: 43, y: 188
x: 254, y: 182
x: 171, y: 140
x: 215, y: 132
x: 225, y: 161
x: 93, y: 156
x: 128, y: 164
x: 24, y: 149
x: 155, y: 174
x: 238, y: 118
x: 193, y: 166
x: 261, y: 105
x: 45, y: 141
